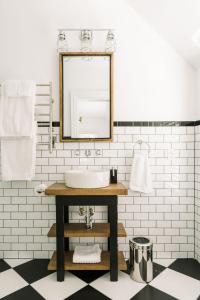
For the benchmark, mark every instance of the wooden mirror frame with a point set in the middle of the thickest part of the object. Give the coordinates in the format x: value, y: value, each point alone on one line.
x: 61, y: 56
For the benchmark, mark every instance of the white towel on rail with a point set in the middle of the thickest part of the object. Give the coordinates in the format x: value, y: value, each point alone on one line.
x: 87, y: 254
x: 18, y: 158
x: 17, y: 106
x: 18, y: 88
x: 141, y: 178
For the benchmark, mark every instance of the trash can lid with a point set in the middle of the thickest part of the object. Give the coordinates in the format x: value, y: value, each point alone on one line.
x: 141, y: 242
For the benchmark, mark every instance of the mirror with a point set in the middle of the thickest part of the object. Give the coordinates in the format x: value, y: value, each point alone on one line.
x: 85, y: 96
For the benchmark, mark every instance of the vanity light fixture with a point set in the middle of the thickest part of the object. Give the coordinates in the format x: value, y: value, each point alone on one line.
x: 110, y: 43
x: 86, y: 39
x: 62, y: 42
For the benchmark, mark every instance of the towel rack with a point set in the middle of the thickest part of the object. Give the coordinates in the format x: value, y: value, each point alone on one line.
x: 44, y: 92
x: 140, y: 142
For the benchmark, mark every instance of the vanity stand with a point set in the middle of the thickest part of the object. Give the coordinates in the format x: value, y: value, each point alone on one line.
x: 112, y: 259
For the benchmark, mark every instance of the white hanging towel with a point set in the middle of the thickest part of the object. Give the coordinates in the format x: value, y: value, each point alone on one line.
x: 18, y: 158
x: 87, y: 254
x: 17, y: 105
x: 141, y: 178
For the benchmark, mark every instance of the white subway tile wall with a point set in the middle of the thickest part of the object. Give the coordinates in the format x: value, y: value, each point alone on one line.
x: 166, y: 216
x: 197, y: 192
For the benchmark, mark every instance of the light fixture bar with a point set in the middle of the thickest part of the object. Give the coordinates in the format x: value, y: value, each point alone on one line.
x: 86, y: 38
x: 91, y: 29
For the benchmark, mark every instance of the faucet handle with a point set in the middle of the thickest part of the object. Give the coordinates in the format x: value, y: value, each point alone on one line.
x: 91, y: 211
x: 81, y: 211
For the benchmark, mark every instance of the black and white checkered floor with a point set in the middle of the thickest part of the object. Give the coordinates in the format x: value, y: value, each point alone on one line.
x: 30, y: 280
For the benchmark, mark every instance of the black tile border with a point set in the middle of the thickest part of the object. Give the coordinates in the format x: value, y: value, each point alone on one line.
x: 137, y: 123
x: 154, y: 123
x: 197, y: 123
x: 46, y: 124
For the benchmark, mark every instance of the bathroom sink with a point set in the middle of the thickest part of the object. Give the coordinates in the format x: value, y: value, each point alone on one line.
x: 87, y: 178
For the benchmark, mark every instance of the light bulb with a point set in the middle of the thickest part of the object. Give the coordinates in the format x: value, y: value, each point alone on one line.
x: 62, y: 42
x: 86, y: 40
x: 110, y: 43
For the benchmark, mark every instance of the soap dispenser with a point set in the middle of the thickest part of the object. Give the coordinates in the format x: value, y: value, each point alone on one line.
x: 113, y: 175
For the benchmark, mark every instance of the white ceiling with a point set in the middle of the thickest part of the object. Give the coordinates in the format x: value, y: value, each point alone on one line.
x: 176, y: 21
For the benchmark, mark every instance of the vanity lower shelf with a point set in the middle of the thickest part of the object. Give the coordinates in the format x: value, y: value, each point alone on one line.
x: 79, y: 230
x: 103, y: 265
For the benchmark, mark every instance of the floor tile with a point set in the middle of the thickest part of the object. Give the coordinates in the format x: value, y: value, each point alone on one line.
x: 10, y: 282
x: 157, y: 269
x: 3, y: 266
x: 189, y: 267
x: 33, y: 270
x: 164, y: 261
x: 151, y: 293
x: 177, y: 285
x: 88, y: 276
x: 26, y: 293
x: 16, y: 262
x: 181, y: 280
x: 88, y: 293
x: 51, y: 289
x: 124, y: 288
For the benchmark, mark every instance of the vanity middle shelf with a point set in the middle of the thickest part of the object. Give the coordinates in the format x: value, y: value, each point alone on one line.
x: 79, y: 230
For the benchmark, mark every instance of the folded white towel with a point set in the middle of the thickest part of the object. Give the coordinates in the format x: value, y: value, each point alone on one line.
x: 141, y: 179
x: 17, y: 106
x: 18, y: 157
x: 87, y: 254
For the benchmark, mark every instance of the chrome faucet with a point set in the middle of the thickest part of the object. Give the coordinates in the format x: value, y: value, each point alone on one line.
x: 88, y: 213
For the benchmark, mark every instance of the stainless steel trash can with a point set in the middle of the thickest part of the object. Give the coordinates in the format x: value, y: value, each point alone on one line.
x: 141, y: 259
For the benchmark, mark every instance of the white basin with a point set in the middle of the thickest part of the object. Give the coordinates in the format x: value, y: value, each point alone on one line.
x: 87, y: 178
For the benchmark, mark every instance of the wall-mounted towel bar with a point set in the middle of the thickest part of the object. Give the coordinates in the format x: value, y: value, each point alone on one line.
x: 44, y: 102
x: 140, y: 142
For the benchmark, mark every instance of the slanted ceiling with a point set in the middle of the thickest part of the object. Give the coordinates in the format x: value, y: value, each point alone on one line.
x: 176, y: 21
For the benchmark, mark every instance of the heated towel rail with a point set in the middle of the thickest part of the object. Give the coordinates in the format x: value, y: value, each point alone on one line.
x: 44, y: 111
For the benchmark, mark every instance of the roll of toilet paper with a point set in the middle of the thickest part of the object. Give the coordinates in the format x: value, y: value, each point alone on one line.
x: 40, y: 189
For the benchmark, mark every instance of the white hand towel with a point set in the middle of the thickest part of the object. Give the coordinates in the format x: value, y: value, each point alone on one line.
x: 141, y: 179
x: 87, y: 254
x: 18, y: 157
x: 17, y: 106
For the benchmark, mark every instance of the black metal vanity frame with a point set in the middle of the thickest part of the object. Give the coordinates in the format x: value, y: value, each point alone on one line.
x: 62, y: 217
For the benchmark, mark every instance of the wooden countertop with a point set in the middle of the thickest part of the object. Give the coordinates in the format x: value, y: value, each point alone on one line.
x: 59, y: 189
